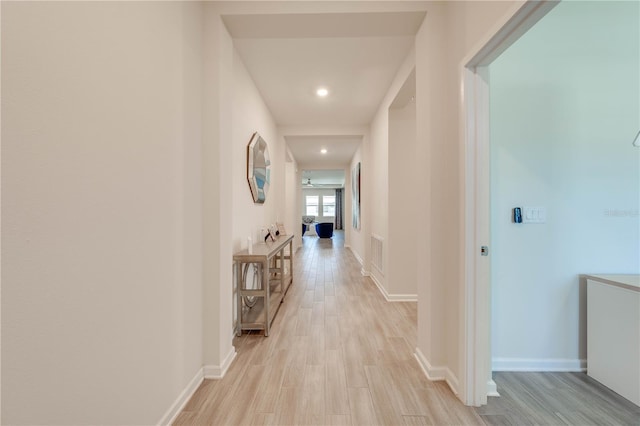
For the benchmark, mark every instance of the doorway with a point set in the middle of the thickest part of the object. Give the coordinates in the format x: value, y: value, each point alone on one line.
x: 564, y: 110
x: 550, y: 162
x: 323, y: 201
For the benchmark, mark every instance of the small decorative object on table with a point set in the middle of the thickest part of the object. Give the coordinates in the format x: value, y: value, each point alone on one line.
x: 269, y: 236
x: 281, y: 230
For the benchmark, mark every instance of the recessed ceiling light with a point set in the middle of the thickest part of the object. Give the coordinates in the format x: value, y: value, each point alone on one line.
x: 322, y: 92
x: 324, y: 151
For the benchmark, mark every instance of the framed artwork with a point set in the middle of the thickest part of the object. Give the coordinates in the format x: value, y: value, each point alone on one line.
x: 355, y: 195
x: 258, y: 168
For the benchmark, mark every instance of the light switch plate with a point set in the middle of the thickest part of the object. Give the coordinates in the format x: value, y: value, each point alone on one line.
x: 534, y: 215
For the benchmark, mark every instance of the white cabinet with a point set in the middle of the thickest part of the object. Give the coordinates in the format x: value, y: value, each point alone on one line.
x: 613, y: 333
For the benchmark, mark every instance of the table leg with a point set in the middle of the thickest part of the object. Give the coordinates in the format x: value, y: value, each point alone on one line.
x: 238, y: 271
x: 291, y: 260
x: 267, y: 302
x: 282, y: 285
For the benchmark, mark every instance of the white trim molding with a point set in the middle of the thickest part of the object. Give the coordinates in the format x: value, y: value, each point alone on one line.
x: 357, y: 256
x: 492, y: 388
x: 437, y: 374
x: 184, y: 397
x: 393, y: 297
x: 475, y: 300
x: 218, y: 371
x: 363, y: 271
x: 539, y: 364
x: 206, y: 372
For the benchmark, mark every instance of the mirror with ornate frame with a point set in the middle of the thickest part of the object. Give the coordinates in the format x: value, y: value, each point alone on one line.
x: 258, y: 168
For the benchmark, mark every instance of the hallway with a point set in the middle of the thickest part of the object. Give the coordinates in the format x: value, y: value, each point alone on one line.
x: 125, y: 193
x: 338, y: 353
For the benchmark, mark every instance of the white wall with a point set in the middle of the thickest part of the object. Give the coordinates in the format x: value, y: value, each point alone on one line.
x: 378, y: 180
x: 101, y: 230
x: 405, y: 224
x: 449, y: 33
x: 217, y: 202
x: 291, y: 219
x: 298, y: 208
x: 382, y: 165
x: 250, y: 114
x: 565, y: 106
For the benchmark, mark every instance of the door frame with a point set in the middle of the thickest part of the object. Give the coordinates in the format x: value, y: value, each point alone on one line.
x: 475, y: 161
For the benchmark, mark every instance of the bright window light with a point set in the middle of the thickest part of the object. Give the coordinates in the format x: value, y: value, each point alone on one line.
x: 328, y: 205
x: 311, y: 203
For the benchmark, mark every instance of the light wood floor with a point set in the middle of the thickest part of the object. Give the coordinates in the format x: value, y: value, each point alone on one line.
x: 556, y: 399
x: 339, y: 354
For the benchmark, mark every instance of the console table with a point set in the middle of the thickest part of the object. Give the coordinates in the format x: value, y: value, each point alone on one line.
x: 273, y: 283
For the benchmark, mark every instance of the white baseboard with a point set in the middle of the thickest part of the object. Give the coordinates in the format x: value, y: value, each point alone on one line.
x: 363, y: 271
x: 388, y: 297
x: 357, y: 256
x: 379, y: 285
x: 375, y: 273
x: 492, y: 388
x: 184, y: 397
x: 218, y: 371
x: 393, y: 297
x: 402, y: 297
x: 437, y: 373
x: 539, y: 364
x: 206, y: 372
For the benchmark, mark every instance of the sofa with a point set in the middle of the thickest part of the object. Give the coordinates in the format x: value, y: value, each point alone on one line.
x: 324, y: 230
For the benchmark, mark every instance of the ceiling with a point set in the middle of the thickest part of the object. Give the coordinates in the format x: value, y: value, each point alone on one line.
x: 323, y: 179
x: 356, y: 71
x: 306, y: 150
x: 354, y: 55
